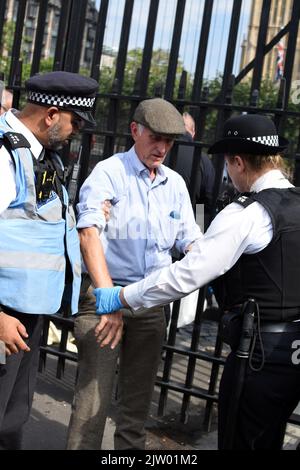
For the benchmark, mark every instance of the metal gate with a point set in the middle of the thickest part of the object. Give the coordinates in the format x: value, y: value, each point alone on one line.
x: 210, y: 102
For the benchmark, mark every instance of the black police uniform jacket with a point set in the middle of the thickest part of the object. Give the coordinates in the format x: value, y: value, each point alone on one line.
x: 271, y: 276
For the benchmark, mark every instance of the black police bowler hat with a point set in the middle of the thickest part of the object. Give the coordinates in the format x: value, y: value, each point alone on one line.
x: 251, y: 134
x: 65, y: 90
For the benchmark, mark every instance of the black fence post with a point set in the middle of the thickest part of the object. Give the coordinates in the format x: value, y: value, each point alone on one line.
x: 17, y: 82
x: 100, y: 30
x: 63, y: 28
x: 38, y: 43
x: 16, y: 48
x: 123, y: 45
x: 163, y: 382
x: 192, y: 359
x: 75, y: 36
x: 280, y: 105
x: 202, y: 50
x: 148, y: 47
x: 261, y: 42
x: 134, y: 103
x: 118, y: 81
x: 224, y: 114
x: 174, y: 52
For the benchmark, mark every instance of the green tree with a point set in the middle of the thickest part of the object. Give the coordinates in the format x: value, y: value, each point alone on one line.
x: 157, y: 79
x: 157, y: 75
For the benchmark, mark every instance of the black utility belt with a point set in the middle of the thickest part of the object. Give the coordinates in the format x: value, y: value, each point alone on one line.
x: 279, y: 327
x: 231, y: 327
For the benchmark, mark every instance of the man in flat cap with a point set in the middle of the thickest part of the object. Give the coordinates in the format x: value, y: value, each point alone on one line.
x: 38, y: 236
x: 151, y: 212
x: 254, y: 243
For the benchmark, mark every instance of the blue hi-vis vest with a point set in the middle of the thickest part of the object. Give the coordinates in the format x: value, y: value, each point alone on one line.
x: 34, y: 242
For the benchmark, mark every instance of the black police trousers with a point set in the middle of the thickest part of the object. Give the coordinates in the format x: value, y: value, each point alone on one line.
x: 268, y: 397
x: 17, y: 382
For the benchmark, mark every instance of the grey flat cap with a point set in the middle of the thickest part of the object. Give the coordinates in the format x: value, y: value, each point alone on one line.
x: 160, y: 117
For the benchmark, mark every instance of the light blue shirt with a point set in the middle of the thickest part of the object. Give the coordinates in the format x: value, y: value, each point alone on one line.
x: 147, y: 218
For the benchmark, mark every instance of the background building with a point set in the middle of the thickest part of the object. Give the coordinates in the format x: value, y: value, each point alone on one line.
x: 280, y: 15
x: 51, y: 29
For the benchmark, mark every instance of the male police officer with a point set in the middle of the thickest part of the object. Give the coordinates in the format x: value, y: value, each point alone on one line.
x: 38, y: 237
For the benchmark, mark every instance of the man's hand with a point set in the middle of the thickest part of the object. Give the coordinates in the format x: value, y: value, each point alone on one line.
x: 11, y: 333
x: 106, y: 205
x: 109, y: 330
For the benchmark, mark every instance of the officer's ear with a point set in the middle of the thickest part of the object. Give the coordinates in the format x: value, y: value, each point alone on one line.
x: 239, y: 163
x: 52, y: 115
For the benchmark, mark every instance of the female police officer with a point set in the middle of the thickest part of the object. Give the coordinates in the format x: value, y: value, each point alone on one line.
x: 256, y: 241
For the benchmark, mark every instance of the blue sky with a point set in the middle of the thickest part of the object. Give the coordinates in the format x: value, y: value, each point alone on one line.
x: 190, y: 34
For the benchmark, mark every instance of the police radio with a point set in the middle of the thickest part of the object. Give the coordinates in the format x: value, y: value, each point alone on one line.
x: 73, y: 183
x: 45, y: 184
x: 248, y: 326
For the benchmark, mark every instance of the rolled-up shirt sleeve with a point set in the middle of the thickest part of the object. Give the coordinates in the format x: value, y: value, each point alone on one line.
x: 96, y: 189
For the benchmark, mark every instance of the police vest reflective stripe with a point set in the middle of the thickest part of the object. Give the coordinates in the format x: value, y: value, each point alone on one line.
x: 34, y: 242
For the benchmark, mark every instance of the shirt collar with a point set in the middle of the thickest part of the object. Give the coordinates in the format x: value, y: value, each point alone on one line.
x: 135, y: 162
x: 15, y: 123
x: 272, y: 178
x: 140, y: 168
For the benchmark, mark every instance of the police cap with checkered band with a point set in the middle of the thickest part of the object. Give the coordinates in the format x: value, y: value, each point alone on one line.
x: 250, y: 134
x: 65, y: 90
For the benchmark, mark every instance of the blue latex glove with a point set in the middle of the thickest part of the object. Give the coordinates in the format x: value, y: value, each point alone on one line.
x: 107, y: 299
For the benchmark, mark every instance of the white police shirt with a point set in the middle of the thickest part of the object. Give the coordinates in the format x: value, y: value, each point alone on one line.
x: 234, y: 231
x: 7, y: 169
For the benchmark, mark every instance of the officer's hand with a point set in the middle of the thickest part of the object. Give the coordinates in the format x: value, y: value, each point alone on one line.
x: 106, y: 205
x: 11, y: 333
x: 109, y: 330
x: 108, y: 299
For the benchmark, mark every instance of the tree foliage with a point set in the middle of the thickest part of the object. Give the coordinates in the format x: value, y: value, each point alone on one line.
x: 6, y: 46
x: 267, y: 97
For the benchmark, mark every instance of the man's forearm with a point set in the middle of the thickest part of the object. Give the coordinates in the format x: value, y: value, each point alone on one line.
x: 94, y: 258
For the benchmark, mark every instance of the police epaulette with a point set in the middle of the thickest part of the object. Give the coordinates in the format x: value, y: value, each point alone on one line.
x: 244, y: 199
x: 15, y: 140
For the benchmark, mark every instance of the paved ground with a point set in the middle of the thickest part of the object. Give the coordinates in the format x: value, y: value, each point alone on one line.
x: 47, y: 427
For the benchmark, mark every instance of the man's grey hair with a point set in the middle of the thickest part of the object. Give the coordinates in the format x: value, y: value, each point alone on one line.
x: 140, y: 128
